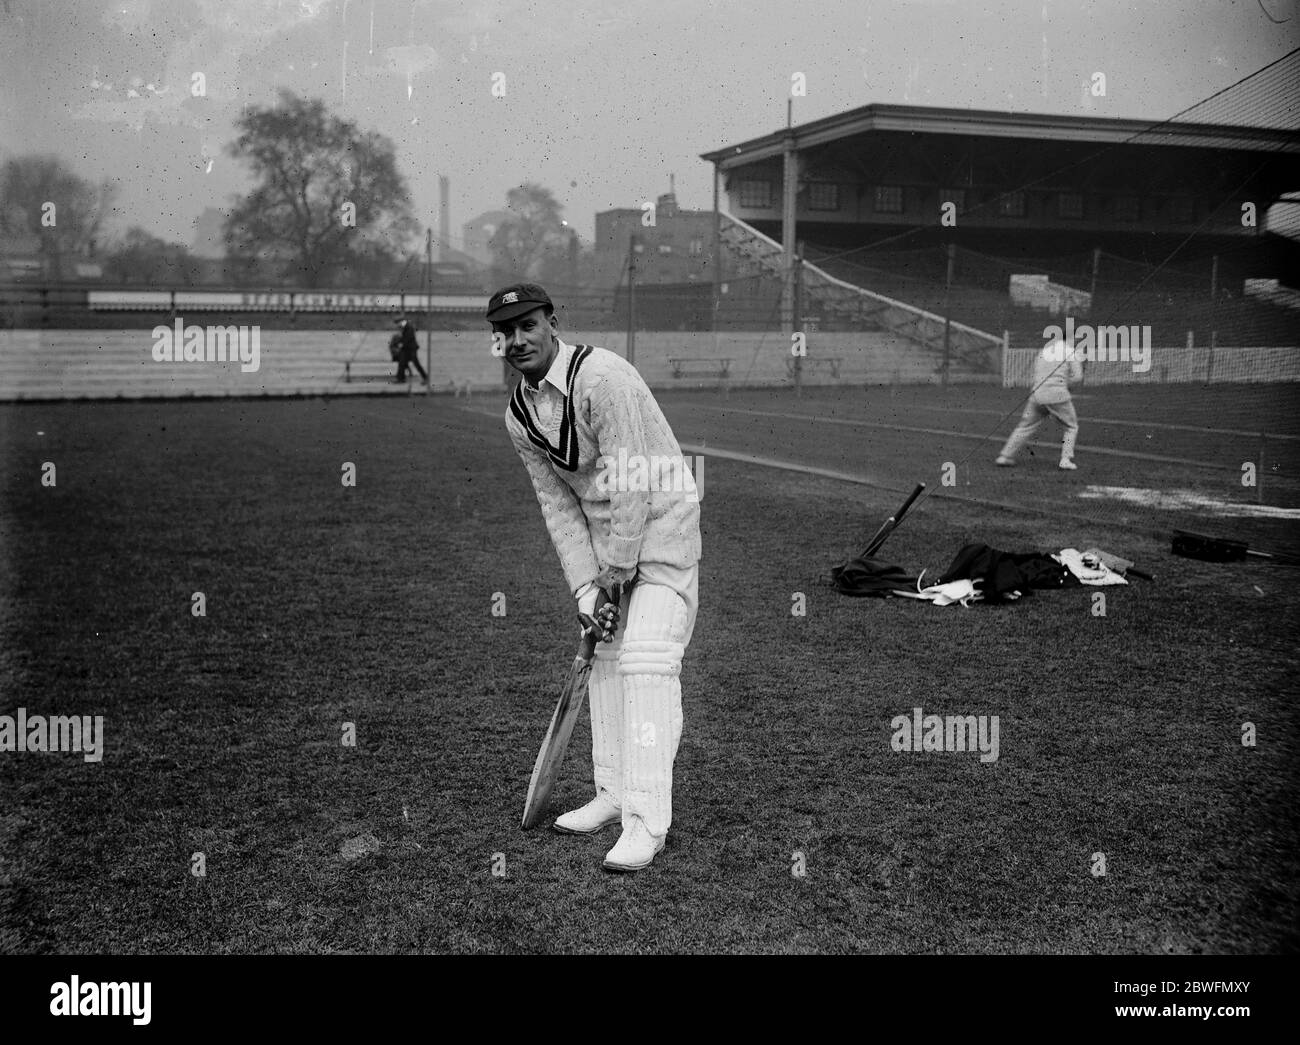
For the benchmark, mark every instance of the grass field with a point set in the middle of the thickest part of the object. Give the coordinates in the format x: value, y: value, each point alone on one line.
x: 1120, y: 735
x: 1166, y: 440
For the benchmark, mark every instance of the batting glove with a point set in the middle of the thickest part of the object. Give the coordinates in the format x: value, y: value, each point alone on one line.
x: 597, y: 610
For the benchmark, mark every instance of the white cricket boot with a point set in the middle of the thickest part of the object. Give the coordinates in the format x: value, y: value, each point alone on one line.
x: 636, y: 848
x: 605, y: 698
x: 592, y: 818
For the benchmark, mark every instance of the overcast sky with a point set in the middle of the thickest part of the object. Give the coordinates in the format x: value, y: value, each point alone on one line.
x: 602, y: 99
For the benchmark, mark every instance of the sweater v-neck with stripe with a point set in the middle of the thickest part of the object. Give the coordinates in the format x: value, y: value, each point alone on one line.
x: 570, y: 442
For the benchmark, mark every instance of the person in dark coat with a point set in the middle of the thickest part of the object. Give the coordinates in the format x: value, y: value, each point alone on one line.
x: 408, y: 350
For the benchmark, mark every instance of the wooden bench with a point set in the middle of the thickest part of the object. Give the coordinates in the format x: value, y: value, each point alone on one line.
x: 701, y: 367
x: 811, y: 363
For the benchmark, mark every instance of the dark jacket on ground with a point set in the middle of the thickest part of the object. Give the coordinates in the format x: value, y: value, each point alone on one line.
x: 1004, y: 572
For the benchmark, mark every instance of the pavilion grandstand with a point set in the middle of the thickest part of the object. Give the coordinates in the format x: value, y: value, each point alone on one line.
x: 917, y: 220
x: 972, y: 237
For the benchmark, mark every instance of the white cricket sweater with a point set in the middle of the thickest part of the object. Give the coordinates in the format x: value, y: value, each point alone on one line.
x: 590, y: 412
x: 1055, y: 369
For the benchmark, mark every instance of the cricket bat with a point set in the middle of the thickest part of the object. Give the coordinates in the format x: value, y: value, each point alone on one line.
x: 891, y: 523
x: 1222, y: 549
x: 549, y: 759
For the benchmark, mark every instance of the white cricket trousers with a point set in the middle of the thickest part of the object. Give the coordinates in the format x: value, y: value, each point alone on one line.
x: 635, y: 695
x: 1035, y: 414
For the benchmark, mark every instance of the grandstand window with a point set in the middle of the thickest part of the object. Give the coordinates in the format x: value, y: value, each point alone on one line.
x: 823, y: 195
x: 1127, y: 208
x: 1069, y: 205
x: 696, y: 248
x: 665, y: 248
x: 1181, y: 211
x: 755, y: 193
x: 1012, y: 204
x: 954, y: 196
x: 889, y: 199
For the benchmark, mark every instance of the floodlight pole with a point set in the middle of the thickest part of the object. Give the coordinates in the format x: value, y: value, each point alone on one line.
x: 1214, y: 302
x: 428, y: 307
x: 717, y: 252
x: 631, y: 300
x: 796, y: 318
x: 947, y: 318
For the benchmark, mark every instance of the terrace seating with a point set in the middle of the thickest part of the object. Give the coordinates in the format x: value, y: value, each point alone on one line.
x: 118, y: 364
x: 836, y: 299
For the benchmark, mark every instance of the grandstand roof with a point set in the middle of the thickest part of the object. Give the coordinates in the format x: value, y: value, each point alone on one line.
x: 918, y: 119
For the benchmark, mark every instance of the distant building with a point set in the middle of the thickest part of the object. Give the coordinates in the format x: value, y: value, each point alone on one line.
x: 20, y: 257
x: 208, y: 240
x: 677, y: 248
x: 1026, y: 188
x: 477, y: 234
x: 22, y: 260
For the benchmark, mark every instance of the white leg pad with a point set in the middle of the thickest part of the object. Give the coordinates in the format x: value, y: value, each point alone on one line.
x: 605, y: 698
x: 652, y: 730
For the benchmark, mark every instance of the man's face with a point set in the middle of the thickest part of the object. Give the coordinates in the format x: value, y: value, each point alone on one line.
x: 529, y: 343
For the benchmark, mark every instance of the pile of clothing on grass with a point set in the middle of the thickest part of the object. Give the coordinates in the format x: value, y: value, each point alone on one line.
x: 983, y: 574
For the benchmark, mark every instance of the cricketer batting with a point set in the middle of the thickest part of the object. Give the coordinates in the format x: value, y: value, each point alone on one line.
x: 1056, y: 368
x: 576, y: 408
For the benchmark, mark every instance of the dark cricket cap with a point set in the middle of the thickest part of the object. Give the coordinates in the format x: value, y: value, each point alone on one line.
x: 516, y: 300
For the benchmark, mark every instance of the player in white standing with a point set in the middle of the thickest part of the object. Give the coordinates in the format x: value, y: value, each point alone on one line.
x: 579, y: 413
x: 1056, y: 368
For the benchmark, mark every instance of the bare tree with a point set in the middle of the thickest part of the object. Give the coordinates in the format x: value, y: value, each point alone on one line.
x: 141, y: 257
x: 327, y: 195
x: 41, y: 199
x: 532, y: 239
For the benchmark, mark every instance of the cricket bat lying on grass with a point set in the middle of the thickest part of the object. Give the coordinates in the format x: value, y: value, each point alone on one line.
x: 1222, y: 549
x: 891, y: 524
